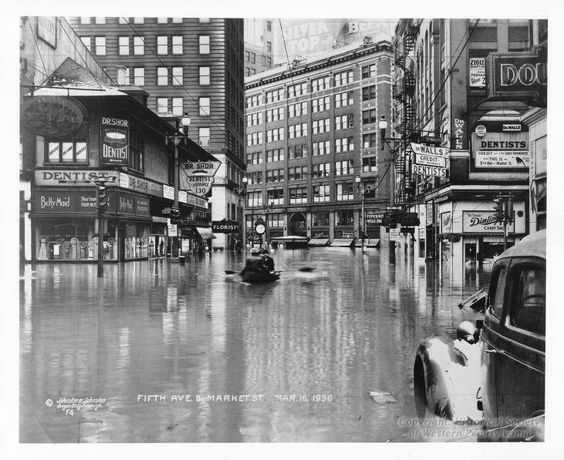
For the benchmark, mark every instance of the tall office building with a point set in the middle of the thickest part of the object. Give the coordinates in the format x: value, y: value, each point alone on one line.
x: 313, y: 148
x: 187, y: 65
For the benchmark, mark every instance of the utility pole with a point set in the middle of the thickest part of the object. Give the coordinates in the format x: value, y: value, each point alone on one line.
x: 503, y: 209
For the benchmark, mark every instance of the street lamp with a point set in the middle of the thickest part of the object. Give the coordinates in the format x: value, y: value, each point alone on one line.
x: 179, y: 136
x: 361, y: 190
x: 268, y: 211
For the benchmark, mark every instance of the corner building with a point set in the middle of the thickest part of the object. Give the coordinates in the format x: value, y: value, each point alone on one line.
x: 311, y: 131
x: 186, y: 65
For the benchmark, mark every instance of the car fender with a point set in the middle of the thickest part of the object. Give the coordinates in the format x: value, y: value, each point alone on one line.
x: 446, y: 379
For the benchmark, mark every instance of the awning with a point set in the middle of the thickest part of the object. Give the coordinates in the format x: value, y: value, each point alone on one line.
x: 205, y: 233
x: 318, y: 242
x: 373, y: 243
x: 342, y: 242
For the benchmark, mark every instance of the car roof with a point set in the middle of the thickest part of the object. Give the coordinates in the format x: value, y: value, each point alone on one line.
x: 533, y: 245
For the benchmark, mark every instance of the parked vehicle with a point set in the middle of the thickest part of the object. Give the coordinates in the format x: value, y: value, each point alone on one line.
x: 493, y: 374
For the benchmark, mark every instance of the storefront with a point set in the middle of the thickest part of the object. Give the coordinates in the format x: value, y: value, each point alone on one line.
x: 65, y: 226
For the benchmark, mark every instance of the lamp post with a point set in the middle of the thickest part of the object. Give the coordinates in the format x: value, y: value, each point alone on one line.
x: 179, y: 136
x: 268, y: 211
x: 102, y: 202
x: 361, y: 190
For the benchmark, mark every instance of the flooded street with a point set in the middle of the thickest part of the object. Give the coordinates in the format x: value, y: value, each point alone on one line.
x: 187, y: 353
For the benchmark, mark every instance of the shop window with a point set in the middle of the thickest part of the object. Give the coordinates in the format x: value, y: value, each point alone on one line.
x: 73, y: 239
x: 344, y: 217
x: 137, y: 147
x: 68, y: 151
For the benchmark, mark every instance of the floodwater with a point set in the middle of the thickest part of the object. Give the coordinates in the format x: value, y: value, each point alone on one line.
x: 163, y: 352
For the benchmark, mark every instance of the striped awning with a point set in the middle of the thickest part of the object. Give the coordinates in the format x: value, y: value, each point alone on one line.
x: 318, y: 242
x: 342, y: 242
x: 205, y: 233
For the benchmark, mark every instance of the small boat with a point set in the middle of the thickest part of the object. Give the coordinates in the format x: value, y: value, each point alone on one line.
x: 254, y: 275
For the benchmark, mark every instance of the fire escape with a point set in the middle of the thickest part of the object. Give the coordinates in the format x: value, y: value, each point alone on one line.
x: 404, y: 112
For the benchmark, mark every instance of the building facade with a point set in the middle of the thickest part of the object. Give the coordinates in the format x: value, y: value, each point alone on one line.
x: 314, y: 159
x: 448, y: 100
x: 259, y: 39
x: 187, y: 66
x: 78, y: 129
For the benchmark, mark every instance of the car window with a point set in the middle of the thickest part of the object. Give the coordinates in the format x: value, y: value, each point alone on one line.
x: 497, y: 288
x: 528, y: 310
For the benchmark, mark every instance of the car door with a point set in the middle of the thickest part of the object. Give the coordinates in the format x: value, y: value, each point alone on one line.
x: 520, y: 361
x: 490, y: 336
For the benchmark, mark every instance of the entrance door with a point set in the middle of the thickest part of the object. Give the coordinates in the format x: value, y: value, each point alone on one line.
x: 470, y: 253
x: 297, y: 225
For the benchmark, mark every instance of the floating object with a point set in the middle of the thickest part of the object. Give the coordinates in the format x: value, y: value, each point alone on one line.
x: 382, y: 397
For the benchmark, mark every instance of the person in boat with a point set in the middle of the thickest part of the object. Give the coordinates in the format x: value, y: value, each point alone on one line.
x: 260, y: 260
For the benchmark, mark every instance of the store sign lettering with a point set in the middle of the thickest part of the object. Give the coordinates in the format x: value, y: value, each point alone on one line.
x: 482, y: 222
x: 75, y: 177
x: 459, y: 125
x: 519, y: 75
x: 115, y: 143
x: 51, y: 203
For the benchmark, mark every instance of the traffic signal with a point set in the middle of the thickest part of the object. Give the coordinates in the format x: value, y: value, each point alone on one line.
x: 174, y: 215
x: 103, y: 198
x: 509, y: 208
x: 498, y: 210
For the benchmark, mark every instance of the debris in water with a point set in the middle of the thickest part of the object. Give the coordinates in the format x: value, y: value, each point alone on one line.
x: 382, y: 397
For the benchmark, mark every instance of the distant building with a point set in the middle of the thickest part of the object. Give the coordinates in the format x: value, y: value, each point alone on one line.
x: 311, y: 132
x: 186, y: 65
x: 259, y: 39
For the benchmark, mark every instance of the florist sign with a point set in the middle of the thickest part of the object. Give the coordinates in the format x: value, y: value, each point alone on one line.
x: 483, y: 222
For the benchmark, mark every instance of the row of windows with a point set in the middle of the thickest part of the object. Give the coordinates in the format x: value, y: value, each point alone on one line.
x: 318, y: 84
x: 298, y: 195
x: 323, y: 104
x: 341, y: 99
x: 175, y: 105
x: 165, y: 45
x: 173, y: 76
x: 252, y: 58
x: 344, y: 144
x: 342, y: 168
x: 136, y: 20
x: 343, y: 217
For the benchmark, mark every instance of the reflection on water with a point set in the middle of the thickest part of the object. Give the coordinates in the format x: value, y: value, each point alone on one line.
x: 185, y: 332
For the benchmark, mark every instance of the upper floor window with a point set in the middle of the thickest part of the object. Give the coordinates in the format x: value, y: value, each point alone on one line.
x: 268, y: 46
x: 100, y: 20
x: 343, y: 78
x: 85, y: 20
x: 138, y: 46
x: 139, y: 76
x: 204, y: 44
x: 162, y: 44
x: 87, y: 42
x: 177, y: 44
x: 320, y: 84
x: 67, y: 151
x: 269, y: 26
x: 204, y: 75
x: 177, y: 76
x: 204, y: 136
x: 369, y: 71
x: 343, y: 99
x: 138, y: 20
x: 162, y: 76
x: 162, y: 20
x: 100, y: 46
x: 177, y: 106
x: 204, y: 103
x: 123, y: 76
x: 162, y: 105
x: 123, y: 46
x: 368, y: 93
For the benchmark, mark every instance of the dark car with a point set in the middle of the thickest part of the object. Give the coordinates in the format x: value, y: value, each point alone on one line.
x: 493, y: 373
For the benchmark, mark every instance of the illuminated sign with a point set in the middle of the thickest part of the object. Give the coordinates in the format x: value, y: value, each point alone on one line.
x: 52, y: 116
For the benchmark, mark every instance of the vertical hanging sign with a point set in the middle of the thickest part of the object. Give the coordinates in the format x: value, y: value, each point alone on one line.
x: 115, y: 141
